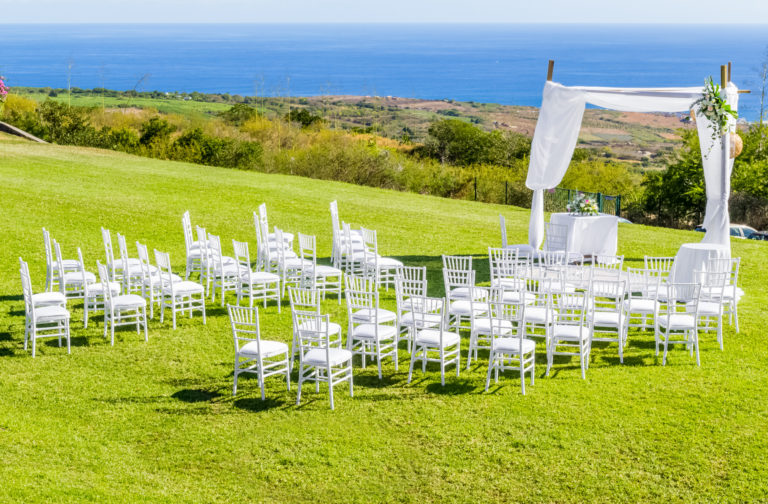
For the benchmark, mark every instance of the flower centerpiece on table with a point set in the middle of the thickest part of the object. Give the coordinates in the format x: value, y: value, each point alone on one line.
x: 581, y: 204
x: 713, y: 106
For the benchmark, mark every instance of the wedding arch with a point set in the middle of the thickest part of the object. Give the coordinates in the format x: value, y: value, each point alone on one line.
x: 557, y: 131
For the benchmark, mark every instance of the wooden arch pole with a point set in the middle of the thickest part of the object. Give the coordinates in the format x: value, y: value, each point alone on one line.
x: 550, y: 69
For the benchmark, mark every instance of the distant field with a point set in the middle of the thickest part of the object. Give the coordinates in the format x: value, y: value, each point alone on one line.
x: 166, y: 106
x: 156, y: 422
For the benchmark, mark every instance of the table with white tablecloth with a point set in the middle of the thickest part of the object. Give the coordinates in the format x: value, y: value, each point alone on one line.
x: 589, y: 235
x: 694, y: 257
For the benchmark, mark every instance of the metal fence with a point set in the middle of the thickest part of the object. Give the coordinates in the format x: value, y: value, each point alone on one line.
x: 555, y: 200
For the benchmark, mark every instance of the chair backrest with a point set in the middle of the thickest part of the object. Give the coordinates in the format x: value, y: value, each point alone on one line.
x: 662, y: 265
x: 347, y: 248
x: 202, y: 239
x: 312, y: 332
x: 642, y: 283
x: 607, y: 295
x: 427, y: 312
x: 123, y: 247
x: 370, y: 241
x: 360, y: 298
x: 282, y: 247
x: 263, y: 217
x: 503, y: 224
x: 26, y: 287
x: 681, y: 298
x: 457, y: 262
x: 607, y: 267
x: 570, y: 307
x: 454, y: 279
x: 244, y: 322
x: 503, y: 312
x: 412, y: 281
x: 186, y: 224
x: 104, y: 280
x: 81, y: 269
x: 48, y: 252
x: 59, y: 266
x: 304, y: 300
x: 163, y: 261
x: 214, y: 251
x: 308, y: 248
x: 556, y: 237
x: 503, y: 263
x: 109, y: 252
x: 335, y: 216
x: 146, y: 265
x: 713, y: 285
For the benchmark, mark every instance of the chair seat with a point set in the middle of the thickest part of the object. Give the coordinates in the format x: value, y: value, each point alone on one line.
x: 678, y: 322
x: 385, y: 262
x: 323, y: 271
x: 184, y: 288
x: 416, y: 304
x: 522, y: 250
x: 128, y: 301
x: 570, y: 332
x: 539, y: 314
x: 368, y: 331
x: 422, y: 321
x: 51, y: 314
x: 97, y: 289
x: 431, y: 338
x: 296, y: 263
x: 132, y: 262
x: 76, y: 277
x: 260, y: 277
x: 508, y: 283
x: 48, y: 299
x: 333, y: 327
x: 157, y: 279
x: 605, y: 319
x: 483, y: 325
x: 287, y: 237
x: 464, y: 308
x: 710, y: 308
x: 369, y: 315
x: 231, y: 267
x: 641, y: 305
x: 269, y: 348
x: 318, y: 357
x: 69, y: 264
x: 512, y: 345
x: 462, y: 293
x: 516, y: 296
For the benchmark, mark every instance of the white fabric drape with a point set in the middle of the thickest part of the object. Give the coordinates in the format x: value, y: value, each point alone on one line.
x: 717, y: 176
x: 557, y: 132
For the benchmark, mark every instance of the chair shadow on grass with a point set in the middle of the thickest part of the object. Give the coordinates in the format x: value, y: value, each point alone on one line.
x: 256, y: 405
x: 196, y: 395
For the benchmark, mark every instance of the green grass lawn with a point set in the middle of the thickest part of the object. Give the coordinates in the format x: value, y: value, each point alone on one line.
x: 156, y: 422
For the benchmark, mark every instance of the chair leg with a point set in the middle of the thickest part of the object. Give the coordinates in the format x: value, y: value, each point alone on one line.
x: 146, y: 333
x: 491, y: 360
x: 66, y: 331
x: 410, y: 367
x: 301, y: 380
x: 234, y: 385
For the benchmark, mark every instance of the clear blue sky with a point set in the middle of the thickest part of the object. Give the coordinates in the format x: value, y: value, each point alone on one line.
x: 386, y: 11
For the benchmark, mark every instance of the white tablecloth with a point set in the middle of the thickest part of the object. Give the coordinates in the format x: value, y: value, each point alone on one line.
x: 693, y: 257
x: 589, y: 235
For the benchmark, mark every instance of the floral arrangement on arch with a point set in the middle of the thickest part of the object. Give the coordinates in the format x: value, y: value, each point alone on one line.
x: 3, y: 90
x: 581, y: 204
x: 713, y: 106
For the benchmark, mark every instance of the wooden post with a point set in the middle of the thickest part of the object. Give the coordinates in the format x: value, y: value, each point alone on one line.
x: 550, y: 69
x: 729, y: 71
x: 723, y: 76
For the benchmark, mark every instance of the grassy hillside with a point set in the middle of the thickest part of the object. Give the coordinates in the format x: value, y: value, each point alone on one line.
x: 631, y: 137
x: 156, y: 422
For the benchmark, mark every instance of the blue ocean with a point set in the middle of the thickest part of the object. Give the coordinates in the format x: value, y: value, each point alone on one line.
x: 485, y: 63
